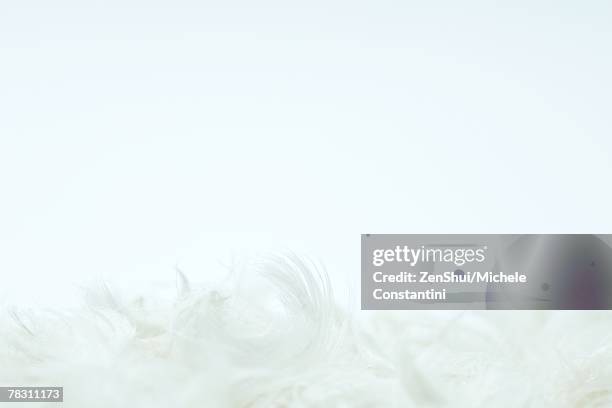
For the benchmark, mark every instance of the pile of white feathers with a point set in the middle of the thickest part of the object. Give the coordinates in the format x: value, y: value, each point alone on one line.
x: 276, y: 338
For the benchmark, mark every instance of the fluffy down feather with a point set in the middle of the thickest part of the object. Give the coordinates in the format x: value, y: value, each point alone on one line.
x: 278, y: 339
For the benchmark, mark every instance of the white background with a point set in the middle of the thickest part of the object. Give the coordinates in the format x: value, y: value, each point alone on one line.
x: 138, y: 135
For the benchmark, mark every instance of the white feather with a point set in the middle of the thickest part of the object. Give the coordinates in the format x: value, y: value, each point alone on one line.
x: 283, y: 342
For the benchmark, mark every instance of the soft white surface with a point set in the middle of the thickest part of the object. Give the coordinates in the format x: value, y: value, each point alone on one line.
x: 273, y: 336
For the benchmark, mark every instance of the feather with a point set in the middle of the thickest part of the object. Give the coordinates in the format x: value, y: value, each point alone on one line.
x: 276, y: 337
